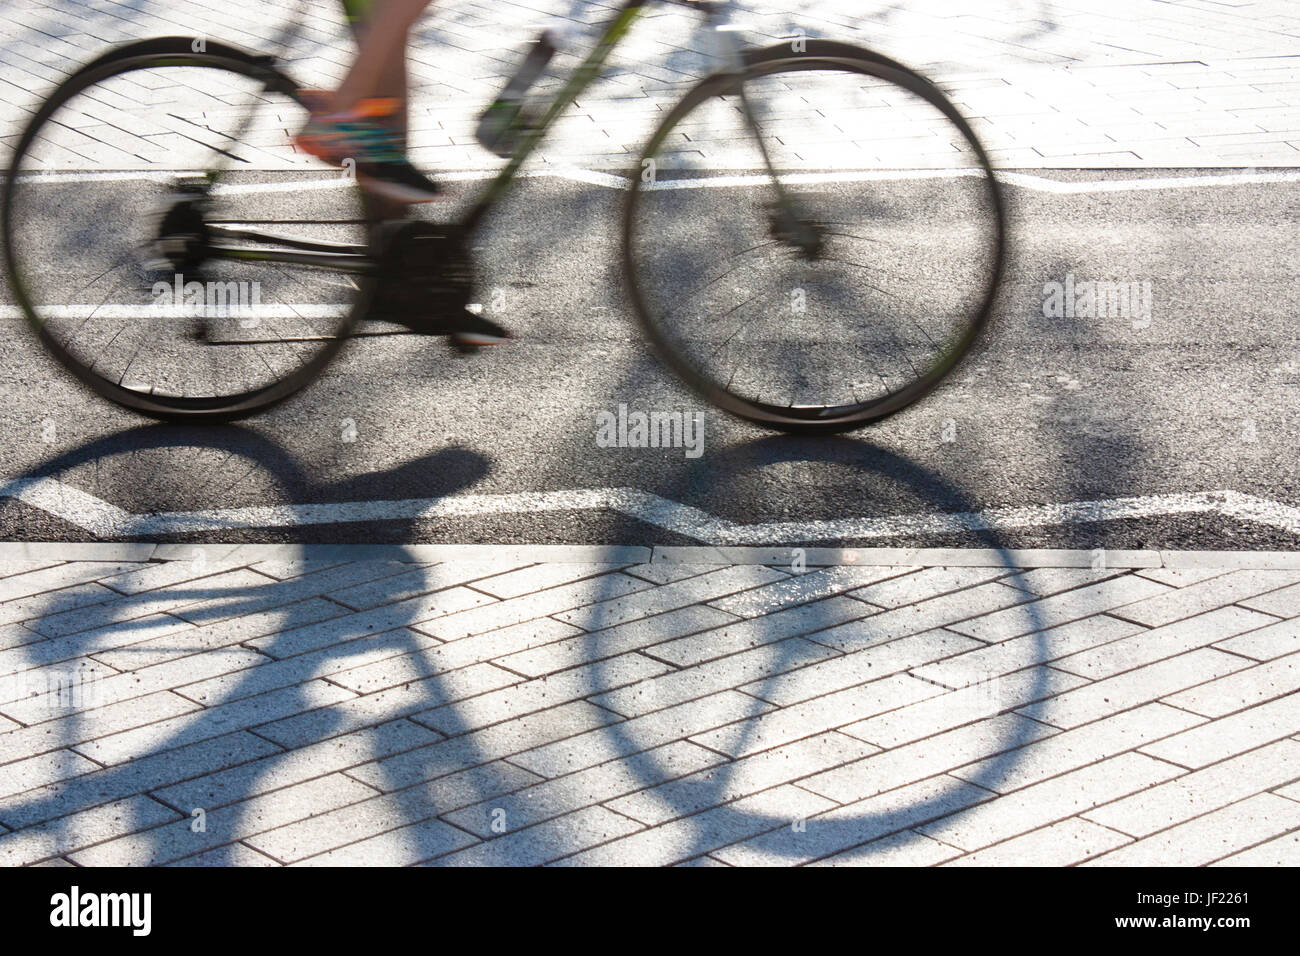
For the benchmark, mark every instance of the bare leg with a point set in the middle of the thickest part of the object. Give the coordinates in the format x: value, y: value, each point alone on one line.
x: 380, y: 71
x: 382, y: 56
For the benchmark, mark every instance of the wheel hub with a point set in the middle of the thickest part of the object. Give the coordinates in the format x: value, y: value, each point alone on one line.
x: 184, y: 239
x: 801, y: 233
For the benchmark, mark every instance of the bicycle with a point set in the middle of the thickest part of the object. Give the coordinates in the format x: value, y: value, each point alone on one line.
x: 856, y: 271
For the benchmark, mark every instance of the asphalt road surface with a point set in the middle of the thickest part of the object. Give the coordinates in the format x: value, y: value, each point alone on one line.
x: 1177, y: 432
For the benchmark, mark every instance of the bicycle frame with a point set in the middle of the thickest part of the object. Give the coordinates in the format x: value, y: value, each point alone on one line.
x: 356, y: 259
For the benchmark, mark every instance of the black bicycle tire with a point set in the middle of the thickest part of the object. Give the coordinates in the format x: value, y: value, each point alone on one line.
x: 161, y: 52
x: 779, y: 58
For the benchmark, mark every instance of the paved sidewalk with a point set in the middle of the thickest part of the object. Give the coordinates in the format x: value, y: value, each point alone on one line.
x: 264, y: 705
x: 1049, y: 83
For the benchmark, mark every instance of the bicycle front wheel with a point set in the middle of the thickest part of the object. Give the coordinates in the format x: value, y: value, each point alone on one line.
x: 167, y: 242
x: 827, y: 264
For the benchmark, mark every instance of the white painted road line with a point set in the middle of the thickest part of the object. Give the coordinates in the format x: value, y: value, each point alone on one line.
x: 105, y: 520
x: 613, y: 181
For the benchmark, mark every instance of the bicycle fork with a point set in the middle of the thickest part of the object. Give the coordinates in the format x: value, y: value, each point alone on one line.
x: 788, y: 224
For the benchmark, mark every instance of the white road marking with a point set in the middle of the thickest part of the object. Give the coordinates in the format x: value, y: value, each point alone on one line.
x: 104, y: 520
x: 740, y: 178
x: 119, y: 311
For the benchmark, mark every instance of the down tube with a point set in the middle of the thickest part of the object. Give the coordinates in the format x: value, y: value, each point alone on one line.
x: 579, y: 81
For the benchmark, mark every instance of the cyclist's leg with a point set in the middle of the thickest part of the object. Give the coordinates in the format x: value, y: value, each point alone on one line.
x: 383, y: 28
x: 392, y: 84
x: 364, y: 121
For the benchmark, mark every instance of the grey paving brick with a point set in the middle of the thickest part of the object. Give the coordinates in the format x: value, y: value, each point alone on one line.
x: 327, y: 662
x: 1076, y: 748
x: 924, y: 615
x: 76, y: 646
x: 847, y: 827
x: 870, y: 663
x: 216, y: 721
x: 232, y: 854
x: 263, y: 767
x: 599, y: 784
x: 1160, y: 643
x: 233, y: 587
x: 275, y: 594
x: 666, y: 572
x: 381, y: 620
x: 60, y: 576
x: 1227, y: 736
x: 1044, y: 582
x: 122, y: 687
x: 361, y: 821
x: 923, y: 759
x: 777, y: 626
x: 552, y: 601
x: 812, y: 716
x: 1205, y: 596
x: 189, y: 641
x: 74, y: 729
x: 801, y: 588
x: 1061, y: 844
x: 922, y: 585
x: 994, y: 660
x: 638, y: 734
x: 411, y: 583
x: 1061, y: 608
x: 944, y: 711
x: 1056, y: 799
x: 1266, y: 643
x: 405, y: 700
x: 172, y: 841
x: 1202, y: 791
x: 768, y: 663
x: 704, y: 832
x: 658, y: 630
x: 754, y: 773
x: 401, y: 847
x: 76, y: 830
x: 1247, y: 687
x: 41, y: 771
x: 703, y: 588
x: 1284, y: 602
x: 1211, y: 837
x: 546, y: 841
x: 113, y: 783
x: 524, y: 696
x: 1181, y: 577
x: 1131, y: 688
x: 539, y: 577
x: 1280, y: 851
x: 907, y: 848
x: 32, y: 607
x: 511, y: 737
x: 433, y: 661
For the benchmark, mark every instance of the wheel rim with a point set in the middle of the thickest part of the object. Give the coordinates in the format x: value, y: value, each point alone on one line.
x: 124, y: 313
x: 666, y: 264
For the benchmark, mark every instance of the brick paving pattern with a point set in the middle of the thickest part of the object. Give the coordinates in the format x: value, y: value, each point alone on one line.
x: 243, y: 707
x: 1048, y: 83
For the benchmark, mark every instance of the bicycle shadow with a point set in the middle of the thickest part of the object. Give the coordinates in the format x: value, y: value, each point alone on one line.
x: 715, y: 798
x: 280, y: 677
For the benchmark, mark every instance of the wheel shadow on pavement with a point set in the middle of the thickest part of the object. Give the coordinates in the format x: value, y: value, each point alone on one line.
x: 721, y: 805
x: 159, y: 762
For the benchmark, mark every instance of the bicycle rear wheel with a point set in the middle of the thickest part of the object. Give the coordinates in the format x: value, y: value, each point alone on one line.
x: 149, y: 209
x: 847, y: 286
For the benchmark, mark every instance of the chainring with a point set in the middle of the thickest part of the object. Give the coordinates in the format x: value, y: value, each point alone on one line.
x: 426, y: 275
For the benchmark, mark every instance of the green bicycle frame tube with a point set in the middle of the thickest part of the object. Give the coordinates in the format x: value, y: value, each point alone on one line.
x: 582, y: 77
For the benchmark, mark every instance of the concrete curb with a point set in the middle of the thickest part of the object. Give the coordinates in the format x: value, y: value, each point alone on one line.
x: 627, y: 555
